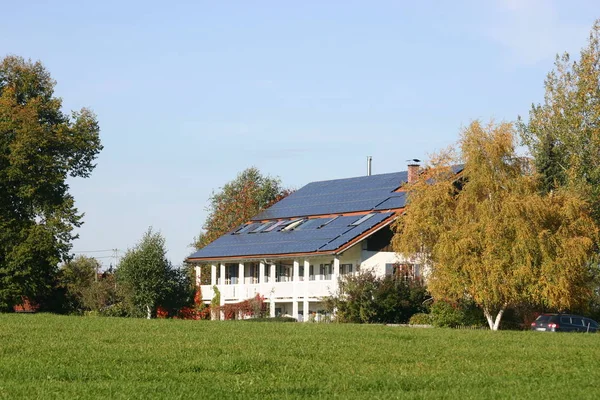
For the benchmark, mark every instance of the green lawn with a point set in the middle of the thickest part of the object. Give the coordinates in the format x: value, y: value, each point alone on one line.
x: 46, y: 356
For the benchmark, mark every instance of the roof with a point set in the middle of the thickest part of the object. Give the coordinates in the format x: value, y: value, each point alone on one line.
x: 364, y: 193
x: 315, y: 220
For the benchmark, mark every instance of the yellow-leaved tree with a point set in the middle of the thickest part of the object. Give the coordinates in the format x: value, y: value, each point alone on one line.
x: 490, y: 235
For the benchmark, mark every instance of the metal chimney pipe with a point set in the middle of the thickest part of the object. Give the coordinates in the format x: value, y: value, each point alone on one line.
x: 369, y: 158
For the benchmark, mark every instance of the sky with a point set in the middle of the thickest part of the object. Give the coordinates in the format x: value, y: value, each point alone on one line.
x: 189, y: 94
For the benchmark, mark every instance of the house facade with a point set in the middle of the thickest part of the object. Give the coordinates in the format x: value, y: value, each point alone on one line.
x: 294, y: 252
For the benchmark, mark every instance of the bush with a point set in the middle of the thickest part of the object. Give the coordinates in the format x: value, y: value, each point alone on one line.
x: 420, y: 319
x: 462, y: 313
x: 365, y: 298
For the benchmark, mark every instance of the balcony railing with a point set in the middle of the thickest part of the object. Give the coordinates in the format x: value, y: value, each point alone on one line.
x: 277, y: 290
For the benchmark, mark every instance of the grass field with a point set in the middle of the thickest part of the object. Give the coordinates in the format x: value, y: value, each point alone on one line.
x: 58, y: 357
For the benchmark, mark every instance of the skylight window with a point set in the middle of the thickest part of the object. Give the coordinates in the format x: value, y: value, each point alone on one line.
x: 246, y: 228
x: 262, y: 227
x: 293, y: 224
x: 277, y: 224
x: 362, y: 219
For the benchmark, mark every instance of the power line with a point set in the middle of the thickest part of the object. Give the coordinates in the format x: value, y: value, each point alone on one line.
x: 94, y: 251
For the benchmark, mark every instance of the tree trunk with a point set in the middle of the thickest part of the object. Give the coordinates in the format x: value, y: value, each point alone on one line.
x: 149, y: 312
x: 494, y: 324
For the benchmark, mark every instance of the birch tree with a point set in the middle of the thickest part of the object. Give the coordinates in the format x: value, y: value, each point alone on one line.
x: 149, y: 276
x: 490, y: 235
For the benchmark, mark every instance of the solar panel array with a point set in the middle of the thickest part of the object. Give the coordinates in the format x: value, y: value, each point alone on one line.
x: 311, y: 238
x: 365, y: 193
x: 375, y: 194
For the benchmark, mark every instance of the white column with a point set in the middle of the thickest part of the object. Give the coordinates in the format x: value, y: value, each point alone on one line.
x: 222, y: 282
x: 198, y: 271
x: 241, y: 281
x: 296, y: 271
x: 272, y: 306
x: 261, y: 272
x: 336, y: 270
x: 305, y: 297
x: 261, y: 278
x: 296, y: 289
x: 222, y: 303
x: 272, y: 274
x: 213, y: 275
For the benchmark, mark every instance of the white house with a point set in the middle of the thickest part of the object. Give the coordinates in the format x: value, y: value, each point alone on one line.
x: 294, y: 252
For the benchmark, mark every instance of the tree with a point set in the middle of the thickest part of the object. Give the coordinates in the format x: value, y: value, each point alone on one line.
x: 149, y: 277
x: 76, y: 277
x: 491, y: 236
x: 239, y: 200
x: 40, y: 147
x: 563, y: 133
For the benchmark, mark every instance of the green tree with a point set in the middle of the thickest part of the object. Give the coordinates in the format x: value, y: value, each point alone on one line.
x: 149, y: 277
x: 239, y: 200
x: 491, y: 236
x: 563, y: 133
x: 76, y: 277
x: 40, y: 147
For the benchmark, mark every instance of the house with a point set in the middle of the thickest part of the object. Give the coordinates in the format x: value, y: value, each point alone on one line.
x: 294, y: 252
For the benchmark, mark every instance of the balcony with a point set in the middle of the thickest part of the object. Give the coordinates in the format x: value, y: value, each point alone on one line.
x: 277, y: 290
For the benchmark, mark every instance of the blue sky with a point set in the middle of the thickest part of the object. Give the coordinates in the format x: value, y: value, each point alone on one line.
x: 188, y: 94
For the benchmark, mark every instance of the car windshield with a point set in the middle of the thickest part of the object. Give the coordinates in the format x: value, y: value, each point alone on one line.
x: 543, y: 318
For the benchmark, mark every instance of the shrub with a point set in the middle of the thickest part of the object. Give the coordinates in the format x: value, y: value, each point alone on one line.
x: 462, y: 313
x: 420, y: 319
x: 365, y: 298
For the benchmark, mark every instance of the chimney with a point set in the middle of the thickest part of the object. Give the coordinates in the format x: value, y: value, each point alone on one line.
x: 413, y: 170
x: 369, y: 158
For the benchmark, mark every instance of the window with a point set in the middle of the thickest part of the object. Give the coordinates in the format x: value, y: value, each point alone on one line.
x: 283, y: 273
x: 577, y: 321
x: 246, y: 228
x: 311, y: 273
x: 403, y: 271
x: 261, y: 227
x: 362, y: 219
x: 565, y: 320
x: 277, y: 224
x: 293, y: 224
x: 301, y: 272
x: 346, y: 269
x: 326, y: 271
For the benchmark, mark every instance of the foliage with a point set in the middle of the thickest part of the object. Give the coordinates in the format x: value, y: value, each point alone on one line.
x: 563, y: 133
x: 452, y: 315
x: 366, y: 298
x: 122, y: 358
x: 149, y: 279
x: 215, y: 303
x: 420, y: 319
x: 40, y: 147
x: 497, y: 240
x: 76, y: 277
x: 254, y: 307
x: 238, y: 201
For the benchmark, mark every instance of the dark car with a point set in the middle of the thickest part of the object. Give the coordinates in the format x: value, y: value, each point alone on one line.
x: 564, y: 323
